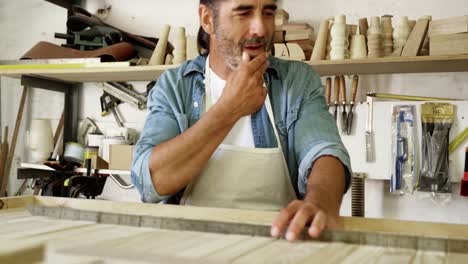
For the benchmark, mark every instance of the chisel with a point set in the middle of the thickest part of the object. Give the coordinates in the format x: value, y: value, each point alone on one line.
x: 351, y: 103
x: 336, y: 91
x: 369, y: 136
x: 344, y: 115
x: 328, y: 91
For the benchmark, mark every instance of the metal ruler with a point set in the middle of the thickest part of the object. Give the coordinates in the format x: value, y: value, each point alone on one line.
x: 382, y: 239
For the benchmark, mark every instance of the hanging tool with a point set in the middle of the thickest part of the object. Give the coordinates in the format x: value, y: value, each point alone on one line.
x: 351, y: 104
x: 344, y: 115
x: 109, y: 104
x: 87, y: 126
x: 59, y: 128
x: 358, y: 192
x: 328, y: 91
x: 125, y: 93
x: 369, y: 135
x: 401, y: 154
x: 336, y: 91
x: 408, y: 97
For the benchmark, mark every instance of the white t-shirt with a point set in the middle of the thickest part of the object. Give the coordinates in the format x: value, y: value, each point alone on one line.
x: 241, y: 133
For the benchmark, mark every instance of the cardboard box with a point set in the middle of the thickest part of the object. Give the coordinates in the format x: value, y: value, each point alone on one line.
x: 120, y: 157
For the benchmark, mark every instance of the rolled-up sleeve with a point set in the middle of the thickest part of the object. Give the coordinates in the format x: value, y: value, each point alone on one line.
x: 161, y: 125
x: 316, y: 133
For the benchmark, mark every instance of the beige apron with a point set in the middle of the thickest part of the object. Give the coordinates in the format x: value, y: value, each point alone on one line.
x: 242, y: 177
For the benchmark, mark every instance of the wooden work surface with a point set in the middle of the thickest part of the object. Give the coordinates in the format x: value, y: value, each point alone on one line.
x: 419, y: 64
x: 65, y: 241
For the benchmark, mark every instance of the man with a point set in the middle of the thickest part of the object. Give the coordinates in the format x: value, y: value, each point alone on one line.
x: 238, y: 128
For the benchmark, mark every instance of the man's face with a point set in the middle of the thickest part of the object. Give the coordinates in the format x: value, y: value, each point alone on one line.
x: 244, y: 25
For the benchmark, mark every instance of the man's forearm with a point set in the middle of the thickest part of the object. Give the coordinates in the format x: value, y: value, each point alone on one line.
x: 326, y: 184
x: 174, y: 163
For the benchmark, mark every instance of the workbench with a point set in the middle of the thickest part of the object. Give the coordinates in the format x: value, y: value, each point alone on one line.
x: 63, y: 230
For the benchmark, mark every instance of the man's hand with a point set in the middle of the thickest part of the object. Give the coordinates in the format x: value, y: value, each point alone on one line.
x: 321, y: 205
x: 244, y: 93
x: 300, y: 213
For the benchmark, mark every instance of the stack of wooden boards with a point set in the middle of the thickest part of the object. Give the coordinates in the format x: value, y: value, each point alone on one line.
x: 60, y: 230
x: 449, y: 36
x: 293, y: 41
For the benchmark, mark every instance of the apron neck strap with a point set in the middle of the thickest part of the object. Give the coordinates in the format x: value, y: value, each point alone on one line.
x: 208, y: 100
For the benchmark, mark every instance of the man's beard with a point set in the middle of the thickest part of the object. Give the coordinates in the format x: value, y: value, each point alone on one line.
x: 232, y: 52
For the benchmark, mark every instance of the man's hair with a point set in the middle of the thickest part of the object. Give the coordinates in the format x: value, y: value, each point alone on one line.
x: 203, y: 38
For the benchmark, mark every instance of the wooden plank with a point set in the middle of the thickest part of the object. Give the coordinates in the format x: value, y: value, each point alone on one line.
x: 331, y: 253
x: 396, y: 255
x: 366, y: 255
x: 276, y: 253
x: 32, y: 226
x: 101, y: 242
x: 84, y: 235
x: 450, y: 25
x: 162, y: 210
x: 260, y: 218
x: 212, y: 246
x: 388, y: 65
x: 230, y: 254
x: 160, y: 246
x: 134, y: 73
x: 19, y: 252
x: 13, y: 214
x: 449, y: 44
x: 15, y: 202
x: 423, y: 257
x: 415, y: 41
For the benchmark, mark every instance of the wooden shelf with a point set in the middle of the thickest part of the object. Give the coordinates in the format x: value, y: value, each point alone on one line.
x: 422, y: 64
x: 98, y: 74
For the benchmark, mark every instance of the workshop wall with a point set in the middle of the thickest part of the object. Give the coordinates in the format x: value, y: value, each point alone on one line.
x: 24, y: 23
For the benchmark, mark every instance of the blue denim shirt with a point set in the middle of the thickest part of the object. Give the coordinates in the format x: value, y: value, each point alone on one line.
x: 307, y: 130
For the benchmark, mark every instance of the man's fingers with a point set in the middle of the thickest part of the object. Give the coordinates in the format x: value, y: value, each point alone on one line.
x: 245, y: 57
x: 283, y: 218
x: 259, y: 73
x: 302, y: 217
x: 256, y: 62
x: 263, y: 67
x: 318, y: 224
